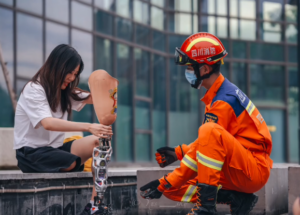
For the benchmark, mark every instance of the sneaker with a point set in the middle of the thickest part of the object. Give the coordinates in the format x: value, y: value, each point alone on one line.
x: 89, y: 209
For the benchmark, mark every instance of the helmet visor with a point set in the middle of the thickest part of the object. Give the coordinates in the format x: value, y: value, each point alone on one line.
x: 181, y: 58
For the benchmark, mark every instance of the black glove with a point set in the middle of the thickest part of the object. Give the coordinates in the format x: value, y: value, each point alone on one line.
x: 150, y: 191
x: 165, y: 156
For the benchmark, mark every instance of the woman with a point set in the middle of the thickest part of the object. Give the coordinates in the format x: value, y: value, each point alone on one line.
x: 42, y: 113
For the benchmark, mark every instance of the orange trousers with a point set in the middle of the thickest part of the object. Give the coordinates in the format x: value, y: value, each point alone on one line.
x: 220, y: 159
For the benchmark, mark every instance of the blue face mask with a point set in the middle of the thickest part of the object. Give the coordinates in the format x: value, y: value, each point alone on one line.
x: 190, y: 76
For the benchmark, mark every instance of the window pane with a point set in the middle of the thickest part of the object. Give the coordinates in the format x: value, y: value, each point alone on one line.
x: 291, y: 33
x: 103, y: 53
x: 124, y: 28
x: 175, y: 41
x: 222, y: 7
x: 141, y: 12
x: 261, y: 51
x: 142, y: 35
x: 248, y: 29
x: 103, y: 22
x: 195, y: 24
x: 181, y: 23
x: 291, y: 13
x: 184, y: 108
x: 247, y: 9
x: 159, y: 3
x: 275, y: 120
x: 293, y: 103
x: 181, y: 5
x: 271, y: 32
x: 239, y: 76
x: 8, y: 2
x: 267, y: 84
x: 157, y: 18
x: 6, y: 109
x: 225, y: 70
x: 234, y: 29
x: 239, y: 49
x: 105, y: 4
x: 34, y: 6
x: 142, y: 67
x: 55, y: 35
x: 159, y: 103
x: 158, y: 40
x: 293, y: 54
x: 222, y: 27
x: 29, y: 37
x: 82, y: 42
x: 85, y: 18
x: 142, y: 115
x: 233, y: 7
x: 123, y: 8
x: 272, y: 11
x: 124, y: 122
x: 209, y: 24
x: 208, y: 6
x: 58, y: 10
x: 226, y: 46
x: 143, y: 147
x: 195, y: 6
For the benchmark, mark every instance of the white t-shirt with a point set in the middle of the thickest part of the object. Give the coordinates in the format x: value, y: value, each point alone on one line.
x: 32, y: 107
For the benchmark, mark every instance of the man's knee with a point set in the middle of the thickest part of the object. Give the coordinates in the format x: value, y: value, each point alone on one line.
x: 208, y: 129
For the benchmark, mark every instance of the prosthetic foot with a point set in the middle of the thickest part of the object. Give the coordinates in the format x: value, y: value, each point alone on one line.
x: 104, y: 94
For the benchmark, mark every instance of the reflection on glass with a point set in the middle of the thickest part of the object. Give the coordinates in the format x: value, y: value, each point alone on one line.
x: 55, y: 35
x: 222, y: 7
x: 209, y: 24
x: 157, y: 18
x: 267, y: 84
x: 103, y: 22
x: 181, y: 5
x: 291, y: 33
x: 195, y: 24
x: 239, y: 76
x: 103, y: 53
x: 234, y: 29
x: 271, y: 32
x: 159, y: 102
x: 183, y: 23
x: 247, y: 29
x: 8, y: 2
x: 276, y: 119
x: 124, y: 123
x: 225, y: 70
x: 123, y: 8
x: 57, y: 10
x: 105, y: 4
x: 34, y: 6
x: 272, y: 11
x: 175, y: 41
x: 6, y: 109
x: 291, y: 13
x: 293, y: 54
x: 84, y: 20
x: 143, y: 147
x: 141, y: 12
x: 142, y: 68
x: 158, y: 40
x: 226, y: 45
x: 142, y: 35
x: 222, y: 27
x: 233, y: 7
x: 82, y: 42
x: 293, y: 105
x: 184, y: 108
x: 208, y: 6
x: 195, y: 6
x: 239, y: 49
x: 142, y: 115
x: 263, y: 51
x: 159, y: 3
x: 124, y: 28
x: 29, y: 37
x: 247, y: 9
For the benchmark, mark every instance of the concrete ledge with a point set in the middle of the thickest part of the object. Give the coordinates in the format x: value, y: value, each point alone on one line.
x: 294, y: 186
x: 273, y: 197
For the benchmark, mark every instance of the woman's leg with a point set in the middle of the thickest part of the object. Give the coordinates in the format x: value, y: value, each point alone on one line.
x: 83, y: 148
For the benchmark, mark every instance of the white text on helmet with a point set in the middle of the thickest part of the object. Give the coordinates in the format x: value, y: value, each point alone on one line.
x: 203, y: 52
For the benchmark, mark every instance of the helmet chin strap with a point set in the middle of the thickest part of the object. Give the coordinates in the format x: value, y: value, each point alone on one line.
x: 198, y: 83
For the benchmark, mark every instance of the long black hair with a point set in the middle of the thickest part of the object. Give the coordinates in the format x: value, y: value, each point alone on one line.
x: 61, y: 61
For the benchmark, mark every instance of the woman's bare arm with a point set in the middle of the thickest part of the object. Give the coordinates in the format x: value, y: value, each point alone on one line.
x: 88, y: 100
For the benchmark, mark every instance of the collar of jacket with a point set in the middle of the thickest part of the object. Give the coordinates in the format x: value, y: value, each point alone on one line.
x: 211, y: 93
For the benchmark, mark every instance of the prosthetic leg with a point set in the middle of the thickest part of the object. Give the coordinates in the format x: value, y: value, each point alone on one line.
x: 103, y: 89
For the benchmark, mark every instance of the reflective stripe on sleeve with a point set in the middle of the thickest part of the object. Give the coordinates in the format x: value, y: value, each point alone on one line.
x: 190, y: 163
x: 190, y: 192
x: 209, y: 162
x: 250, y: 107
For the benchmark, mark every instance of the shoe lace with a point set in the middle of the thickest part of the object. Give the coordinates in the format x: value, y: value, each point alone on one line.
x: 198, y: 203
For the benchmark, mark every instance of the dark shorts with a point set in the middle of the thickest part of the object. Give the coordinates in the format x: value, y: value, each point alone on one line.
x: 47, y: 159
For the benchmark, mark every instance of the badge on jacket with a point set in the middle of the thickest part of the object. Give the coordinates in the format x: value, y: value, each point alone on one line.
x: 209, y: 117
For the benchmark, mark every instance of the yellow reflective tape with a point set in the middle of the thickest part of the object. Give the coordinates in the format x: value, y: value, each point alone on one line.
x: 201, y: 40
x: 209, y: 162
x: 190, y: 192
x: 250, y: 107
x: 191, y: 160
x: 211, y: 159
x: 193, y: 193
x: 209, y: 165
x: 191, y: 166
x: 186, y: 193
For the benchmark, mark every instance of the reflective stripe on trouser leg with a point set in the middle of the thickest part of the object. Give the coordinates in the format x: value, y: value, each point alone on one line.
x: 209, y: 162
x: 190, y: 163
x: 190, y: 192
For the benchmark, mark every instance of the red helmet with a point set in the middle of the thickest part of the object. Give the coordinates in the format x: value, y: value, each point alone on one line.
x: 200, y: 48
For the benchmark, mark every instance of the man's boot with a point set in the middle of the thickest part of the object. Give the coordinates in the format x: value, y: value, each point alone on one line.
x: 240, y: 203
x: 206, y: 200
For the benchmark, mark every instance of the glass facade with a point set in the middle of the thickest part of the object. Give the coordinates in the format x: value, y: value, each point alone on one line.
x: 135, y: 40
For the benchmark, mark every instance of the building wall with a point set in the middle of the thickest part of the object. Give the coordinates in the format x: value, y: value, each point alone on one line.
x: 134, y: 40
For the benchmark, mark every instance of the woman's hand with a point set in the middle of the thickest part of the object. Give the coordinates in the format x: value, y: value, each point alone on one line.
x: 100, y: 130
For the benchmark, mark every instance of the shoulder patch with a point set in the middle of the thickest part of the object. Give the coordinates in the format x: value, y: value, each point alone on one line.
x: 209, y: 117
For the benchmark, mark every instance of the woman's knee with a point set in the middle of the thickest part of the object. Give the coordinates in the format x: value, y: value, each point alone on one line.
x: 72, y: 166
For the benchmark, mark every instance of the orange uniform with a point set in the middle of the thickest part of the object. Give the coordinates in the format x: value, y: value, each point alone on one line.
x: 232, y: 149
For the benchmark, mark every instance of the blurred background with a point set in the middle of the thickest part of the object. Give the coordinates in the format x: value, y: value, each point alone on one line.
x: 134, y: 40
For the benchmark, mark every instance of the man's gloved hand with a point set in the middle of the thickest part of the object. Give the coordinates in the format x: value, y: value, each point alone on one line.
x: 150, y: 191
x: 165, y: 156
